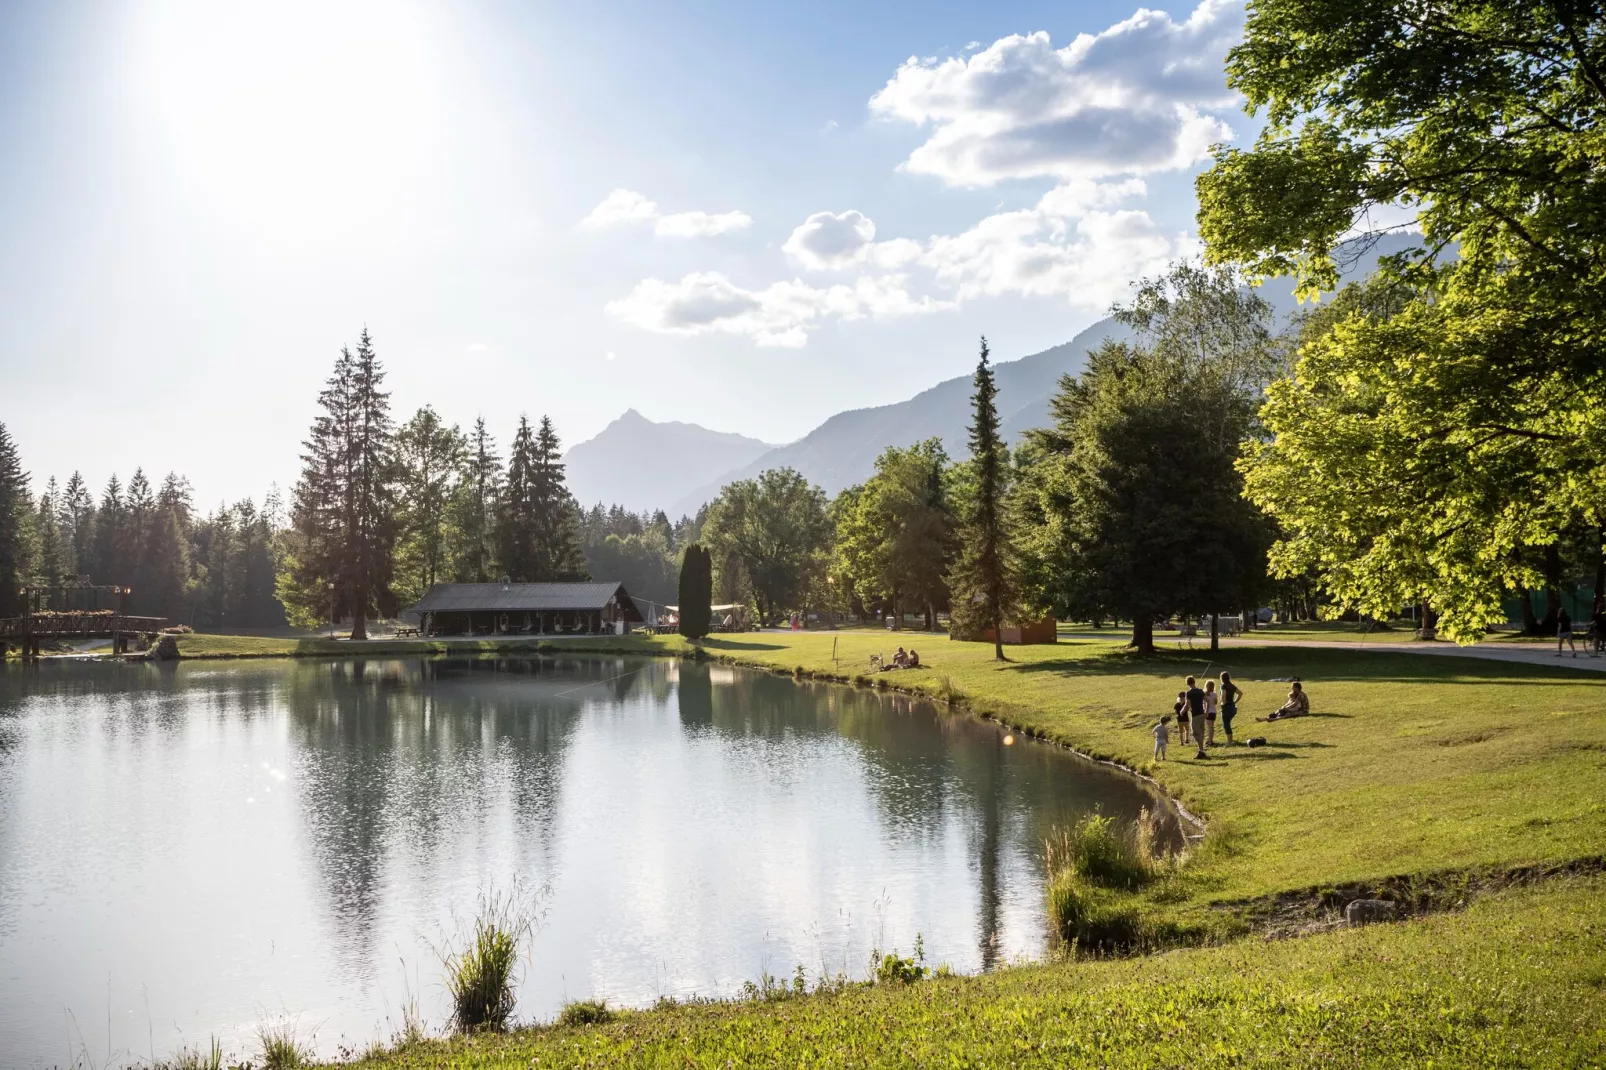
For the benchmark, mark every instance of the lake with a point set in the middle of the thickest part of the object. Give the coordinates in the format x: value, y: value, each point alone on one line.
x: 191, y: 850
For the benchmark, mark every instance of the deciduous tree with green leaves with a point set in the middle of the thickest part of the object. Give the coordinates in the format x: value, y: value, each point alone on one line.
x: 774, y: 528
x: 1449, y: 419
x: 898, y: 539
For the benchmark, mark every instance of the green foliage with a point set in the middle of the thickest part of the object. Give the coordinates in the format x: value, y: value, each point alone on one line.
x: 895, y: 535
x: 197, y: 1058
x: 985, y: 578
x: 1099, y: 850
x: 586, y: 1012
x: 774, y: 529
x: 15, y: 526
x: 696, y: 591
x: 1447, y: 419
x: 475, y: 507
x: 893, y: 969
x: 1133, y: 492
x: 1088, y: 919
x: 538, y: 530
x: 429, y: 458
x: 481, y: 972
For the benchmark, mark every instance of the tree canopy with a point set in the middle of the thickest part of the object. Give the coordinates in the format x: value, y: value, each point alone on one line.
x: 775, y: 529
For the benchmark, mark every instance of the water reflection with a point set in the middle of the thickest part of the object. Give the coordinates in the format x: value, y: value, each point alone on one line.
x: 225, y: 842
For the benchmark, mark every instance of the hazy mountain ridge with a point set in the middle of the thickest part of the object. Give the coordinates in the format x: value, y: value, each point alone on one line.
x: 642, y: 464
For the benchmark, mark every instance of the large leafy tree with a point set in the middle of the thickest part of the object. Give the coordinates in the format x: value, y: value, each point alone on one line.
x: 1136, y: 499
x: 897, y: 539
x: 774, y: 530
x: 1464, y: 391
x: 985, y: 577
x: 429, y: 459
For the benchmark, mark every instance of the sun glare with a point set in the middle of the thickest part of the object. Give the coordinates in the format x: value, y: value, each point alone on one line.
x: 292, y: 121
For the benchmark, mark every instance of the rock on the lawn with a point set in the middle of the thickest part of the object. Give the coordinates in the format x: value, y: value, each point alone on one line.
x: 1366, y: 911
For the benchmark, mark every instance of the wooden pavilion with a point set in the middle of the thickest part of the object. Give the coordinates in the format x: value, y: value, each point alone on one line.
x: 601, y: 608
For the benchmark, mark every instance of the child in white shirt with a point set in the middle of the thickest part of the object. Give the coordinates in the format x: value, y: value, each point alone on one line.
x: 1162, y: 732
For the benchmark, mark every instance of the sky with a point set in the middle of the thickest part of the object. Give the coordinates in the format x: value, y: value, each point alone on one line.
x: 747, y: 216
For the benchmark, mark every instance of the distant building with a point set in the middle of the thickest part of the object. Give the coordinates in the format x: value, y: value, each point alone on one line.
x: 526, y: 609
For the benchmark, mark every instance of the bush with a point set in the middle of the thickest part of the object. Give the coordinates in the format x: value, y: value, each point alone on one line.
x: 481, y: 975
x: 281, y: 1049
x: 586, y: 1012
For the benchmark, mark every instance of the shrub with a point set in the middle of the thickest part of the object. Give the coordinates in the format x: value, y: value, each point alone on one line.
x: 586, y: 1012
x: 893, y: 969
x: 481, y: 975
x: 210, y: 1058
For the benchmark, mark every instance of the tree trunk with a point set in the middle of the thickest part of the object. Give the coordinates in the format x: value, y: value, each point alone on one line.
x: 1600, y: 572
x: 1530, y: 621
x: 1215, y: 638
x: 1552, y: 587
x: 1143, y: 634
x: 931, y: 617
x: 359, y: 616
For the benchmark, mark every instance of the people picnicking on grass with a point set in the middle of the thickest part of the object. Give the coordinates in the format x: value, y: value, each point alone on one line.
x: 903, y: 659
x: 1298, y: 705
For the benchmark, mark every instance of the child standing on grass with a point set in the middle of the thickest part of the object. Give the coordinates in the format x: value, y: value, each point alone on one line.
x: 1162, y: 734
x: 1180, y: 712
x: 1210, y: 713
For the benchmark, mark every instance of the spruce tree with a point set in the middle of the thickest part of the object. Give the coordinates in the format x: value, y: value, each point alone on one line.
x: 52, y: 566
x: 696, y: 591
x: 478, y: 497
x: 108, y: 557
x: 372, y: 532
x: 984, y: 581
x: 76, y: 518
x: 555, y: 512
x: 515, y: 524
x: 14, y: 507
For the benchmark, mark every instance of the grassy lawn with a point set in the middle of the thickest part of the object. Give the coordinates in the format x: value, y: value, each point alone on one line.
x: 1519, y: 979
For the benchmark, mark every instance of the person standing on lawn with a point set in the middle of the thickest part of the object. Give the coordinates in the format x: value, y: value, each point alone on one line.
x: 1162, y: 736
x: 1564, y: 632
x: 1230, y: 694
x: 1210, y: 713
x: 1196, y: 715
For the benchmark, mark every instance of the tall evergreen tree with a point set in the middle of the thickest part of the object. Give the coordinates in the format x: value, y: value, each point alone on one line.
x: 984, y: 581
x: 76, y: 518
x: 557, y: 516
x: 14, y: 524
x: 475, y: 508
x: 109, y: 547
x: 339, y: 553
x: 53, y: 549
x: 696, y: 591
x: 516, y: 551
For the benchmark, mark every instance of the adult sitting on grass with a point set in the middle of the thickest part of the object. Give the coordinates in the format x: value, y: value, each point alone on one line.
x: 914, y: 659
x: 1298, y: 705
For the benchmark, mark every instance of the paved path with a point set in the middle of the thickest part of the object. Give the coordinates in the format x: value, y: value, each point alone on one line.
x: 1525, y: 653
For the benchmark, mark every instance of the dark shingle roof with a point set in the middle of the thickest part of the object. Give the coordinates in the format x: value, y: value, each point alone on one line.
x: 518, y: 597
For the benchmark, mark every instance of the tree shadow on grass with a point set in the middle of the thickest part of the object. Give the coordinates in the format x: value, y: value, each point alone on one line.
x: 728, y: 644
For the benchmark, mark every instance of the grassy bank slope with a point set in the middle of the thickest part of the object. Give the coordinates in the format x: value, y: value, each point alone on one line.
x: 1517, y: 980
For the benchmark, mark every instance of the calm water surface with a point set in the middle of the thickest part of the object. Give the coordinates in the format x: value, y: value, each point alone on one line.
x: 191, y: 850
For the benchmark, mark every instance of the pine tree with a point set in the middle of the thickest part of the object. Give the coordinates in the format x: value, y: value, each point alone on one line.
x: 339, y: 551
x: 14, y: 525
x: 984, y: 581
x: 76, y: 518
x: 108, y: 546
x: 429, y: 460
x: 53, y: 548
x: 516, y: 522
x: 556, y: 514
x: 478, y: 497
x: 696, y: 591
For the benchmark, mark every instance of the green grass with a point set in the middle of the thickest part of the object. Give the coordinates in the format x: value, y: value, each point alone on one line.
x: 1519, y: 979
x: 481, y: 971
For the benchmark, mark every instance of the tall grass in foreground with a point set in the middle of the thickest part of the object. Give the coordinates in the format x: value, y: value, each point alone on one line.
x: 281, y: 1048
x: 196, y: 1058
x: 482, y: 965
x: 1089, y: 865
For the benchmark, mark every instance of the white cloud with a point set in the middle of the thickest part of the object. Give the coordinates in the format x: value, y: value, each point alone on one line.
x: 831, y: 240
x: 624, y: 206
x: 700, y: 224
x: 1133, y: 99
x: 780, y: 315
x: 620, y: 206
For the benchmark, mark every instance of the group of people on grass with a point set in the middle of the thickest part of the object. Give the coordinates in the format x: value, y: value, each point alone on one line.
x: 1594, y: 639
x: 902, y: 660
x: 1197, y: 709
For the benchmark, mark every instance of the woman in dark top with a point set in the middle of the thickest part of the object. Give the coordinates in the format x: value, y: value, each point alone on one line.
x: 1230, y: 694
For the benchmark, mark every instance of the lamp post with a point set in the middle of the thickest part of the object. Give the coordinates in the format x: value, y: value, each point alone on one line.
x: 331, y: 609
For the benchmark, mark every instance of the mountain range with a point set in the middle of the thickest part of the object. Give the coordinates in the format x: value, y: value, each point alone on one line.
x: 689, y: 464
